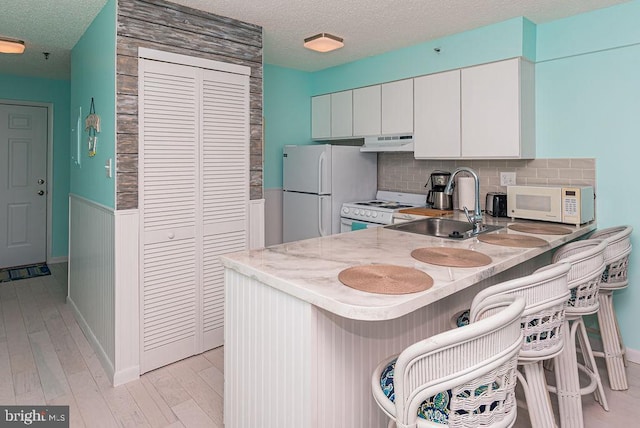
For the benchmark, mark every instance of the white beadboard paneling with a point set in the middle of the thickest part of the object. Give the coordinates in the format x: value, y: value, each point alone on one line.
x: 127, y: 310
x: 256, y: 224
x: 92, y: 274
x: 273, y: 216
x: 318, y: 364
x: 267, y: 349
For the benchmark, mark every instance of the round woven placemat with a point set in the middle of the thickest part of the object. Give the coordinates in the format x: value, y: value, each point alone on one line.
x: 519, y: 241
x: 542, y: 229
x: 451, y: 257
x: 385, y: 279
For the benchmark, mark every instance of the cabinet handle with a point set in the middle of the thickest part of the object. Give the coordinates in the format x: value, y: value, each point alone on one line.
x: 171, y: 235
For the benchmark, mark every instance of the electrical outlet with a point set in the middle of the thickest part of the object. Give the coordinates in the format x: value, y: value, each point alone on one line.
x: 507, y: 178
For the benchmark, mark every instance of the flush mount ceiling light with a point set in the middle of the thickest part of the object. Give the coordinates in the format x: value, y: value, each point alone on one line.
x: 11, y: 46
x: 323, y: 42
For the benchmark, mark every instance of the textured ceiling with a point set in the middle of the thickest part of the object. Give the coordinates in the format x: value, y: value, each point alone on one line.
x: 368, y: 27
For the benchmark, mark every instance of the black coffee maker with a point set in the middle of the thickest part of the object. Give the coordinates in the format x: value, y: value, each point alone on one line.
x: 436, y: 196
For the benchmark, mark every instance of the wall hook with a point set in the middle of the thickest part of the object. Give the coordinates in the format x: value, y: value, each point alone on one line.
x: 46, y: 55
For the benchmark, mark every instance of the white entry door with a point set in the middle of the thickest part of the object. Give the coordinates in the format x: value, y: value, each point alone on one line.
x: 23, y: 188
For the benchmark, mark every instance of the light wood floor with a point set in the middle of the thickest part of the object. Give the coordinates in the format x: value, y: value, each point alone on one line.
x: 45, y: 359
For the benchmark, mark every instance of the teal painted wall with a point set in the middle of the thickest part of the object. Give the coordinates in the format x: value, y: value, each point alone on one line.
x: 588, y: 105
x: 287, y: 116
x: 55, y: 92
x: 485, y: 44
x: 93, y: 74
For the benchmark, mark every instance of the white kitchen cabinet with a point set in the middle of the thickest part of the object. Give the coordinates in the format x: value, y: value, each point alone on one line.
x: 498, y: 110
x: 342, y: 114
x: 194, y: 194
x: 397, y: 107
x: 332, y: 116
x: 437, y: 116
x: 321, y: 116
x: 367, y: 111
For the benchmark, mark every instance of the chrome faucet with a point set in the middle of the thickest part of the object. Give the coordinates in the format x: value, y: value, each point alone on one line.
x: 476, y: 218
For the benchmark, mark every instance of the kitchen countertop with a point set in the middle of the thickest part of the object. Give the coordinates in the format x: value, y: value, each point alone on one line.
x: 308, y: 269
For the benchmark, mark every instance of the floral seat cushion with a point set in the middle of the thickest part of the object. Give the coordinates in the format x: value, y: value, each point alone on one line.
x: 436, y: 408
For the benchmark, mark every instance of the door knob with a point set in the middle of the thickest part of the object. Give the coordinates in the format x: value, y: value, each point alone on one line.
x: 40, y: 181
x: 41, y: 192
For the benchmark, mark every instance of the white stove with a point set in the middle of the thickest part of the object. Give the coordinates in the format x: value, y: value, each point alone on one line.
x: 378, y: 212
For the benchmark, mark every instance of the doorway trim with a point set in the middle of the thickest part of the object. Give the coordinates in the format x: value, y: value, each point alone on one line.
x: 49, y: 107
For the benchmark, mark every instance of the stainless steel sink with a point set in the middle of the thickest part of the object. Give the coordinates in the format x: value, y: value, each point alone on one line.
x: 441, y: 228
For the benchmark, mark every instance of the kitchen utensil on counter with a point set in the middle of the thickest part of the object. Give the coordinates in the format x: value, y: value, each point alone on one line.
x: 466, y: 193
x: 496, y: 204
x: 385, y: 279
x: 436, y: 196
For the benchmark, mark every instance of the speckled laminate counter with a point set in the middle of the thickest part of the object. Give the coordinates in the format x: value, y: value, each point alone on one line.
x: 308, y: 269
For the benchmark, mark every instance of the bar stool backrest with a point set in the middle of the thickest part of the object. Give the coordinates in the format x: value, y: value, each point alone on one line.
x: 477, y: 363
x: 587, y: 264
x: 616, y: 255
x: 618, y: 241
x: 545, y: 293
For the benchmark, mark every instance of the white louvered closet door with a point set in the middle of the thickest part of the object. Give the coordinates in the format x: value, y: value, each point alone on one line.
x: 194, y: 194
x: 169, y: 194
x: 225, y: 188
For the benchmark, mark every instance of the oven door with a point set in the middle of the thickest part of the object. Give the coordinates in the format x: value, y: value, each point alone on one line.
x: 349, y: 225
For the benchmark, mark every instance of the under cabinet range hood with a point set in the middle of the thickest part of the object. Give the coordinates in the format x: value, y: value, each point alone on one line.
x: 388, y: 143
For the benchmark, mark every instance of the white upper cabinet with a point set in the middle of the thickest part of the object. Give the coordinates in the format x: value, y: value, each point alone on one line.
x: 342, y: 114
x: 498, y: 110
x: 397, y: 107
x: 437, y: 115
x: 332, y: 115
x: 367, y: 111
x: 321, y: 117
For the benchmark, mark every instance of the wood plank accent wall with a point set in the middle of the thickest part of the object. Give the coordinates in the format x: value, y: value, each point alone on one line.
x: 165, y: 26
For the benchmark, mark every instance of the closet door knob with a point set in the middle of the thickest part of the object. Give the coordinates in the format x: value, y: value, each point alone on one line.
x: 171, y: 235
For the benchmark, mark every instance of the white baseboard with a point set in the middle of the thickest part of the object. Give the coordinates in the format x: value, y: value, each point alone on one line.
x: 95, y: 344
x: 54, y: 260
x: 127, y: 375
x: 633, y: 356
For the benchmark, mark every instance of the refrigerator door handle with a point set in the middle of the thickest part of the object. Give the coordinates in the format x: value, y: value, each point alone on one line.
x: 321, y: 228
x: 321, y: 167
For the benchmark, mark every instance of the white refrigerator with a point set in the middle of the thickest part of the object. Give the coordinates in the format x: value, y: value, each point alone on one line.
x: 317, y: 180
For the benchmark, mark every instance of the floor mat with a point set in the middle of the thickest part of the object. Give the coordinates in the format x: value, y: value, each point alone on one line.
x: 23, y: 272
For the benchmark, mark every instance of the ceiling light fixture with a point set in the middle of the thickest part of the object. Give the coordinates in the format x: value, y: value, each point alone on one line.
x: 11, y: 46
x: 323, y: 42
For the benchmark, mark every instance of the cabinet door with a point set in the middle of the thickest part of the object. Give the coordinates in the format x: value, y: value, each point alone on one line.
x: 321, y: 117
x: 491, y: 110
x: 169, y: 202
x: 225, y: 189
x: 397, y: 107
x: 342, y: 114
x: 367, y: 110
x: 437, y: 115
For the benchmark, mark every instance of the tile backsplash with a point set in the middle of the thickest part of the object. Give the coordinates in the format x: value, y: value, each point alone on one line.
x: 400, y: 172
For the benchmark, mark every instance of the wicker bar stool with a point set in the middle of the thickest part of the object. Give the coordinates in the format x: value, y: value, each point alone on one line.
x: 616, y: 257
x: 587, y: 264
x: 545, y: 293
x: 464, y: 377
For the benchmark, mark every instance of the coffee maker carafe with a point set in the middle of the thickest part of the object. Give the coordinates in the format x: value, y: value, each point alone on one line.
x: 436, y: 196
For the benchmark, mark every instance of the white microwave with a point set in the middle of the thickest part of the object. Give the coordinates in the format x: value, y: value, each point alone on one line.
x: 560, y: 204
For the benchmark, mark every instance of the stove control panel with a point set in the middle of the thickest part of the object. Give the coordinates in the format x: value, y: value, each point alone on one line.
x: 370, y: 215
